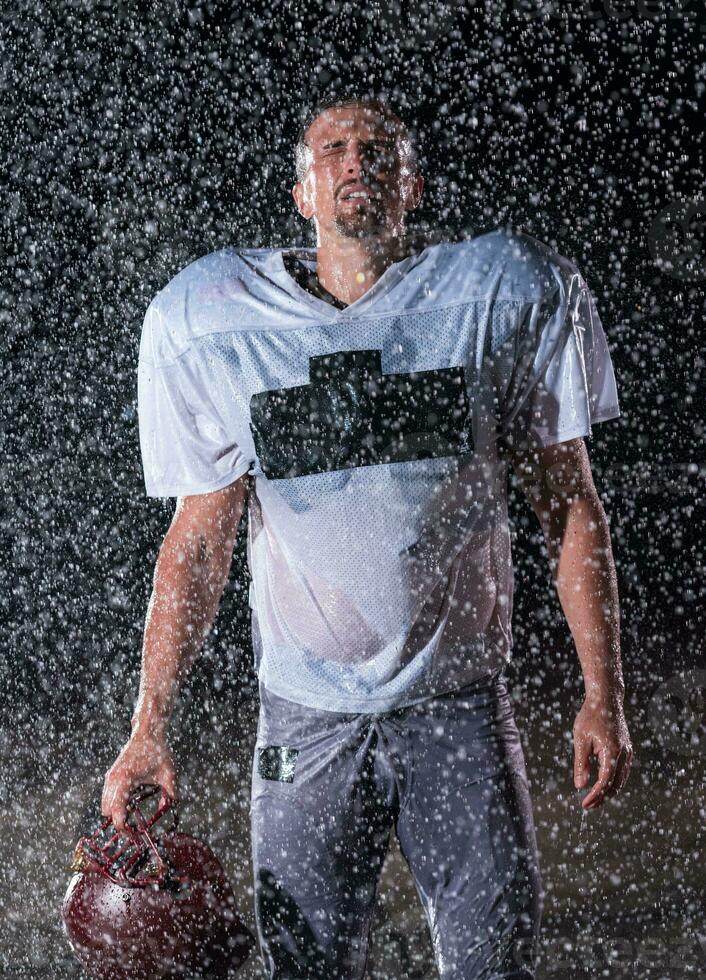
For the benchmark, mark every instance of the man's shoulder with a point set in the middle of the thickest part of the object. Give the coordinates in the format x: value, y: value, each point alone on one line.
x: 197, y: 299
x: 205, y: 273
x: 509, y: 264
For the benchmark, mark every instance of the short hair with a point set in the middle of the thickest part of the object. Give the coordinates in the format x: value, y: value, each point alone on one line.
x: 380, y: 104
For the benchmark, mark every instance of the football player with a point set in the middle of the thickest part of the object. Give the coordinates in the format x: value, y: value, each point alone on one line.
x: 366, y: 397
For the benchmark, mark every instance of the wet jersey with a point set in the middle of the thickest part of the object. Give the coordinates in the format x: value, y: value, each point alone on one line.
x: 375, y: 440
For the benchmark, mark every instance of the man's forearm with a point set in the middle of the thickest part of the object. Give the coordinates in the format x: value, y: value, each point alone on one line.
x: 578, y: 541
x: 188, y: 584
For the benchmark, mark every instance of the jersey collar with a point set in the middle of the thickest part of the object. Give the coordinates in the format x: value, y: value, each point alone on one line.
x: 392, y: 275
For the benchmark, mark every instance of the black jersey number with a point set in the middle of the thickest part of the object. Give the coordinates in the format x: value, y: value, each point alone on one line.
x: 351, y: 414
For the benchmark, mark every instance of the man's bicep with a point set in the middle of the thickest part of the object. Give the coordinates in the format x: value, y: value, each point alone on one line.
x: 211, y: 520
x: 555, y: 472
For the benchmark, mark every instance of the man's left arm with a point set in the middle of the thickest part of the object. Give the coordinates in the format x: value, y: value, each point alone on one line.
x: 558, y: 483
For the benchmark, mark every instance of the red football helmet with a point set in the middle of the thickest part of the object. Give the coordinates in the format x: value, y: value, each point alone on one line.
x: 144, y: 907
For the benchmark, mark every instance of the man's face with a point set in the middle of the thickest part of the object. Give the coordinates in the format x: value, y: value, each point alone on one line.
x: 358, y: 182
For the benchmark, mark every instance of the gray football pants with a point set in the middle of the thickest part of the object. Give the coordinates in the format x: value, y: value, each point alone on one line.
x: 449, y: 773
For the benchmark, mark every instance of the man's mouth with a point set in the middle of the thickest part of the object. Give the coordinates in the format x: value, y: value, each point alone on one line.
x: 358, y: 194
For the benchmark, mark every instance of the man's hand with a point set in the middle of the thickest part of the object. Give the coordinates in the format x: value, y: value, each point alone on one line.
x: 145, y: 758
x: 600, y: 729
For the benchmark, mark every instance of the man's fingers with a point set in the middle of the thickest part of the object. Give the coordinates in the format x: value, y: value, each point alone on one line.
x: 624, y: 765
x: 628, y: 769
x: 106, y: 799
x: 106, y: 795
x: 622, y: 770
x: 167, y: 780
x: 118, y: 821
x: 608, y: 769
x: 118, y: 816
x: 115, y: 804
x: 605, y: 775
x: 582, y: 760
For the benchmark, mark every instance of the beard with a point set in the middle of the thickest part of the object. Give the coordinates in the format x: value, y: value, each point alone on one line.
x: 360, y: 221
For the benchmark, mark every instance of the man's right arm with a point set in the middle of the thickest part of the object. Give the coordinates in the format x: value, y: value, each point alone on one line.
x: 190, y: 574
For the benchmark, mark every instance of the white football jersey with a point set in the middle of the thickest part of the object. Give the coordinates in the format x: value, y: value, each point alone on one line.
x: 378, y: 539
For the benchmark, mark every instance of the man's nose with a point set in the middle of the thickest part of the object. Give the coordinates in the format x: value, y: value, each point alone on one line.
x: 358, y: 161
x: 354, y: 158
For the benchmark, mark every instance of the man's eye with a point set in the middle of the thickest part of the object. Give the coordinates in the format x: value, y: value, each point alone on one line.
x: 383, y: 154
x: 379, y: 155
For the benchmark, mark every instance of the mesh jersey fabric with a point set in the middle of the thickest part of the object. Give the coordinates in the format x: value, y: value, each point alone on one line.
x: 378, y: 540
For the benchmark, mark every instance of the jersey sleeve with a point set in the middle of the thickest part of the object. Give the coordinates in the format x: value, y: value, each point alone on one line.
x: 184, y: 440
x: 562, y: 379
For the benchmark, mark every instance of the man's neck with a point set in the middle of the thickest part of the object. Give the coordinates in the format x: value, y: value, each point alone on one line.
x: 308, y: 280
x: 348, y: 268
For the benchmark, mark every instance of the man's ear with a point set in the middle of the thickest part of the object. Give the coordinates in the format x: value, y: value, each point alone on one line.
x: 413, y: 192
x: 302, y: 200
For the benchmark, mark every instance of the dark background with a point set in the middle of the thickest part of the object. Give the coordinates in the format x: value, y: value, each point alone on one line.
x: 135, y: 139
